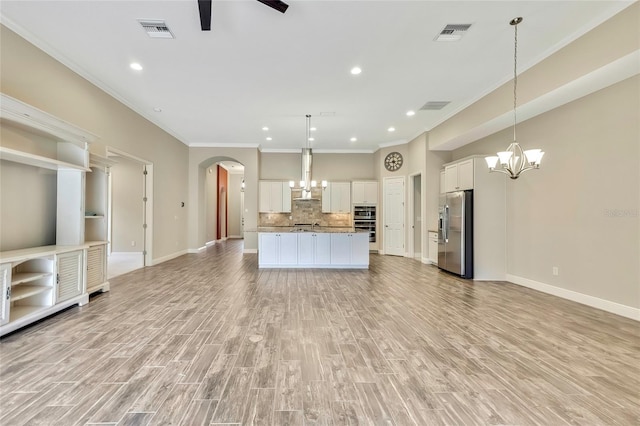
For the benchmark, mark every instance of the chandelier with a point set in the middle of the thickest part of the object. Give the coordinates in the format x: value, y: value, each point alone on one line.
x: 514, y: 160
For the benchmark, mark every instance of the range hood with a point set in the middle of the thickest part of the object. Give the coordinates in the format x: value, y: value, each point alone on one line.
x: 305, y: 170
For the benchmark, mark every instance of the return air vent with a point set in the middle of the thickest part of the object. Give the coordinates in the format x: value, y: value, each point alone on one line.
x: 452, y: 32
x: 434, y: 105
x: 156, y: 29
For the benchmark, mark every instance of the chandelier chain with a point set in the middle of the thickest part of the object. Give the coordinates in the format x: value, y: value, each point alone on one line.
x: 515, y: 79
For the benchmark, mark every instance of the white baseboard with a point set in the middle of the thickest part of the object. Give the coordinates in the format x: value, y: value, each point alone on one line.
x: 250, y: 251
x: 427, y: 261
x: 169, y: 257
x: 210, y: 243
x: 594, y: 302
x: 125, y: 253
x: 192, y: 251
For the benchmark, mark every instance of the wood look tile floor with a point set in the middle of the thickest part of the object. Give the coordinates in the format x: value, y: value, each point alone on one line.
x: 211, y: 339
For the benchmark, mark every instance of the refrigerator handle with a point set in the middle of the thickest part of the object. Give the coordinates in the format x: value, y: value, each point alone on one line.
x: 445, y: 225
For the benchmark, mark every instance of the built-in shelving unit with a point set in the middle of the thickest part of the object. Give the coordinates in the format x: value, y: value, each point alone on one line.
x: 36, y: 282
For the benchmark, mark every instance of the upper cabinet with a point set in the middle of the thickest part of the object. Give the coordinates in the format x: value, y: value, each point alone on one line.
x: 336, y: 198
x: 364, y: 192
x: 458, y: 176
x: 275, y: 197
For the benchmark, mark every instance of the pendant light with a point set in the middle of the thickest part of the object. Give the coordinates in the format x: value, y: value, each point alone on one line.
x: 514, y: 160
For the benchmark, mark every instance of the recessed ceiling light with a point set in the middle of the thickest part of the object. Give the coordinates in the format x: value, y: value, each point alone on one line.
x: 411, y: 113
x: 353, y: 139
x: 157, y: 109
x: 136, y: 66
x: 311, y: 139
x: 313, y: 129
x: 265, y: 128
x: 356, y: 70
x: 391, y: 129
x: 269, y: 138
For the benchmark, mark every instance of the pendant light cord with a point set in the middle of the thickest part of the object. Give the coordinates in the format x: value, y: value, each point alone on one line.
x: 515, y: 78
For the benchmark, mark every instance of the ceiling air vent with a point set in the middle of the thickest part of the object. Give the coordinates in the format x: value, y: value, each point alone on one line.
x: 156, y: 29
x: 452, y: 32
x: 434, y: 105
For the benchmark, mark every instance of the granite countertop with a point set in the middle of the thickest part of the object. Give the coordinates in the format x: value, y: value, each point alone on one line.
x: 316, y: 229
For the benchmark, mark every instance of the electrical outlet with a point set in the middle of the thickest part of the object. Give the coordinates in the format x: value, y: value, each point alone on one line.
x: 555, y: 271
x: 133, y: 243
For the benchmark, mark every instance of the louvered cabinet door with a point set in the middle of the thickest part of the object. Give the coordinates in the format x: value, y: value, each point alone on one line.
x: 69, y: 276
x: 95, y: 266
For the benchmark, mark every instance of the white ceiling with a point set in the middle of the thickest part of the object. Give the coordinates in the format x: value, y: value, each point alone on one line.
x: 258, y: 67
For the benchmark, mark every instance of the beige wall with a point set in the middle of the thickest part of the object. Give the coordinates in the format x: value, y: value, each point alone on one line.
x: 25, y: 216
x: 30, y: 75
x: 233, y: 214
x: 127, y: 212
x: 580, y: 211
x: 330, y: 167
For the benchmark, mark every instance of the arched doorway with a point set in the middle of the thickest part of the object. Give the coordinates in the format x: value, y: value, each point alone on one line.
x: 222, y: 199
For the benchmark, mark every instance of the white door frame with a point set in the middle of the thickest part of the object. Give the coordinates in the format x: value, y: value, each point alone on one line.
x: 147, y: 205
x: 385, y: 182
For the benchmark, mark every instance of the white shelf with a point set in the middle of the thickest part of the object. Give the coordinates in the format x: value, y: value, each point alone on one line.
x: 21, y: 157
x: 95, y: 217
x: 24, y: 291
x: 25, y: 277
x: 18, y: 312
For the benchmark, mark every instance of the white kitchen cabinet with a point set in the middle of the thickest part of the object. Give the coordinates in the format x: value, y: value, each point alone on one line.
x: 350, y: 249
x: 364, y: 192
x: 69, y: 277
x: 279, y: 249
x: 286, y: 197
x: 459, y: 176
x: 443, y: 189
x: 5, y: 292
x: 275, y: 197
x: 314, y: 248
x: 336, y: 198
x: 433, y: 247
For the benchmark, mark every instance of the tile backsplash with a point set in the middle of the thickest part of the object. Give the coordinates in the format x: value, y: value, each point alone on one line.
x: 306, y: 212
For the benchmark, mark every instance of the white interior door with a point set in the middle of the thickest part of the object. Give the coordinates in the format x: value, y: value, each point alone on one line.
x: 394, y: 216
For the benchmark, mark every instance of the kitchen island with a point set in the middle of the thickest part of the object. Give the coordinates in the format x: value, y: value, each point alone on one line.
x: 313, y: 247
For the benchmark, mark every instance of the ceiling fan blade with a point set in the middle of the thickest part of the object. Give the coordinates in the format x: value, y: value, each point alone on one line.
x: 205, y: 14
x: 276, y: 4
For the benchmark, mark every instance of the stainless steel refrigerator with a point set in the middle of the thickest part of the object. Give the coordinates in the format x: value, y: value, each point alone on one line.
x: 455, y: 233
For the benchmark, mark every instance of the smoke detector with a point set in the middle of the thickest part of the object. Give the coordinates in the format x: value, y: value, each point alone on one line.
x: 434, y: 105
x: 156, y: 29
x: 452, y: 32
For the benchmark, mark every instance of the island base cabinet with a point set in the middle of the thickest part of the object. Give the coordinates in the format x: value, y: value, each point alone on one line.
x: 350, y: 249
x: 314, y: 249
x: 278, y: 249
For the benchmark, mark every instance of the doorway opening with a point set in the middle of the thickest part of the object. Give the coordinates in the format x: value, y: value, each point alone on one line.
x: 130, y: 212
x: 415, y: 216
x: 224, y: 192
